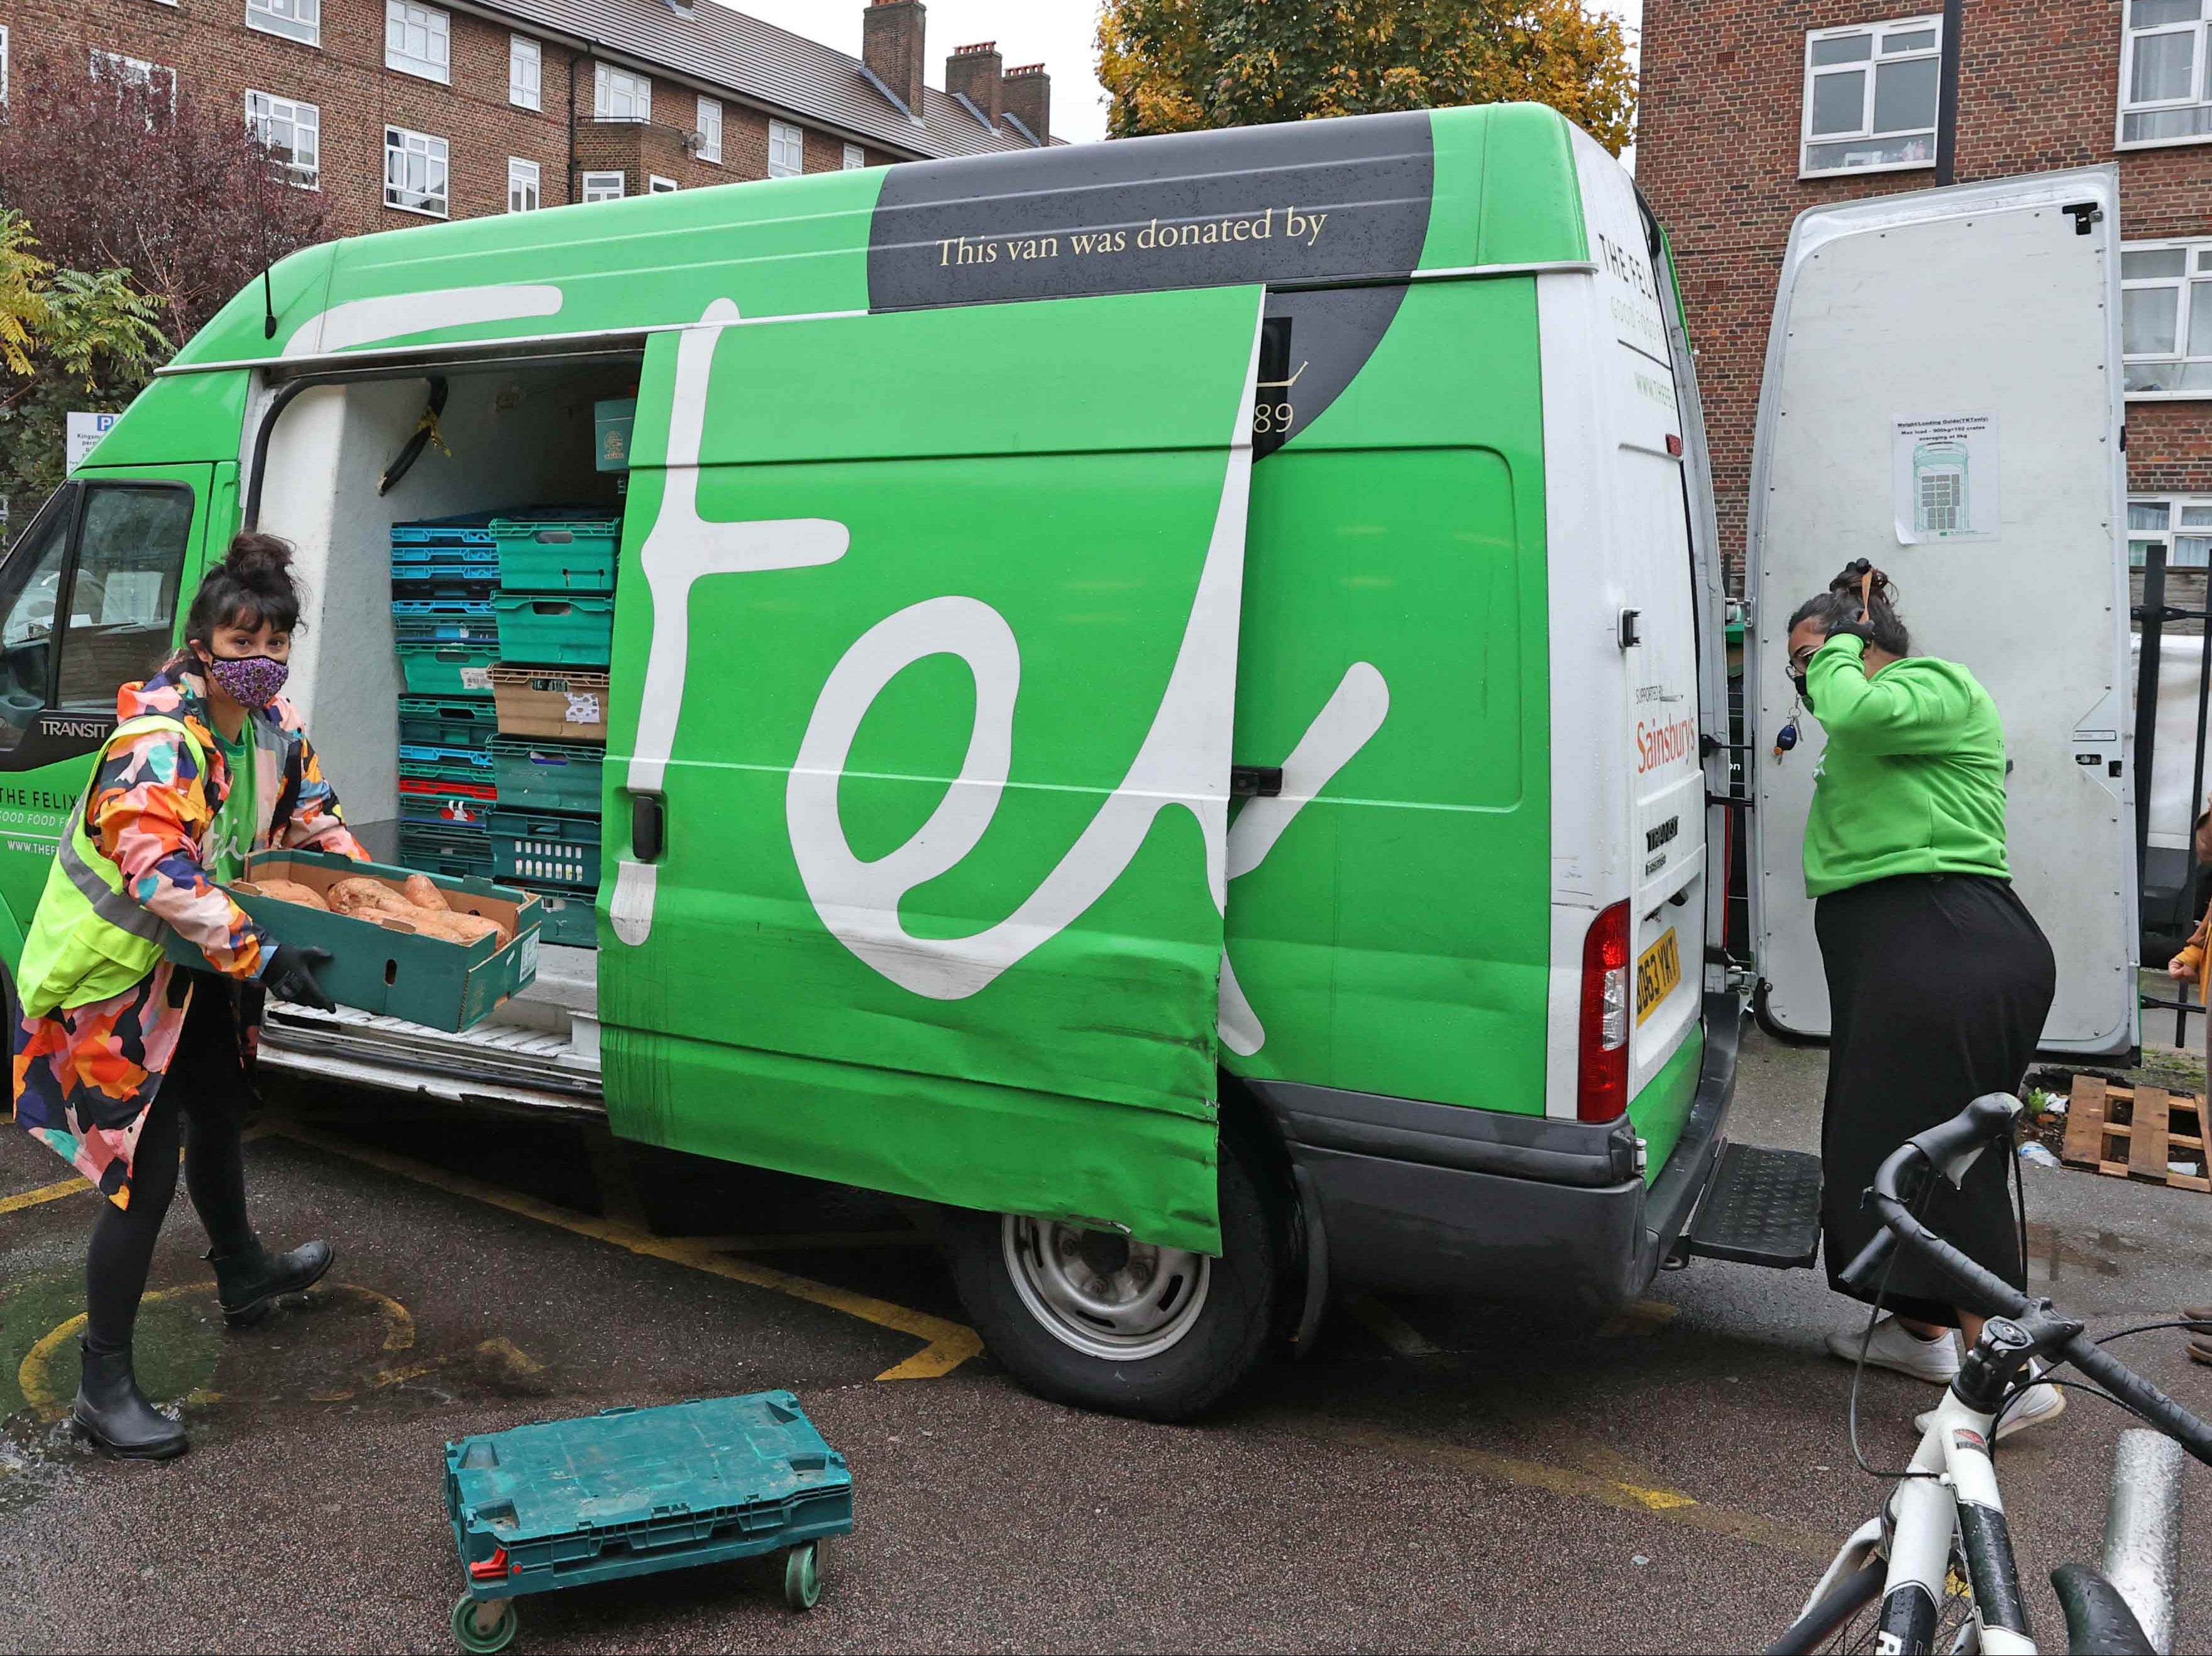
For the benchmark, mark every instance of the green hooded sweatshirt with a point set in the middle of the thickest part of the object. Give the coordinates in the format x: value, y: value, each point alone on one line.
x: 1913, y: 779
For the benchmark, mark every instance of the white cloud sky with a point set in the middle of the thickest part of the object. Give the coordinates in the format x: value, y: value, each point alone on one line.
x: 1058, y: 34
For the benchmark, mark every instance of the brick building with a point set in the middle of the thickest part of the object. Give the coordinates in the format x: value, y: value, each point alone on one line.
x: 404, y: 110
x: 1752, y: 110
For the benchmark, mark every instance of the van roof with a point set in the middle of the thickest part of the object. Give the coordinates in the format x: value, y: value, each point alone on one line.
x: 1313, y: 202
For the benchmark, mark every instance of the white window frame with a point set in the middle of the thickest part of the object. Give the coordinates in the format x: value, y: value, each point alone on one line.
x: 856, y: 158
x: 527, y: 178
x: 1876, y: 34
x: 2200, y: 93
x: 526, y: 72
x: 657, y: 186
x: 593, y: 186
x: 710, y: 130
x: 634, y: 92
x: 436, y: 61
x: 306, y: 119
x: 287, y: 20
x: 131, y: 71
x: 2175, y: 529
x: 2194, y: 282
x: 786, y: 135
x: 437, y: 166
x: 4, y: 63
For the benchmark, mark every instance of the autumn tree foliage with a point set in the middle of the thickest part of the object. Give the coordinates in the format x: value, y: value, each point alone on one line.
x: 117, y: 171
x: 1175, y: 65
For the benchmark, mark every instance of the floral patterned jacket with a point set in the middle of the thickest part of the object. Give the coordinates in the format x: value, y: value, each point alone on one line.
x: 86, y: 1075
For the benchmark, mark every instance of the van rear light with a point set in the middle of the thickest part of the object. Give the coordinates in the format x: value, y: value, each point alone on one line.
x: 1601, y: 1093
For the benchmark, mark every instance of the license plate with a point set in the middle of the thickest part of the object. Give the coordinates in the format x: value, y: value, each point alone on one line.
x: 1656, y: 973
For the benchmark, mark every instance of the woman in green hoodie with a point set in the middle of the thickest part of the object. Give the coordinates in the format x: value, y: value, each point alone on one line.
x: 1939, y: 979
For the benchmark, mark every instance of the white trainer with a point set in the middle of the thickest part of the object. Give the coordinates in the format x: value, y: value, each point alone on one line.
x: 2039, y: 1403
x: 1896, y: 1347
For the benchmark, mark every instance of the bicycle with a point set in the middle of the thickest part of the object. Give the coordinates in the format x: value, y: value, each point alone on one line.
x: 1941, y: 1535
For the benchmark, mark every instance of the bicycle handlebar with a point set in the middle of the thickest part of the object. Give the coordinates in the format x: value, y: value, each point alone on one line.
x: 1977, y: 1124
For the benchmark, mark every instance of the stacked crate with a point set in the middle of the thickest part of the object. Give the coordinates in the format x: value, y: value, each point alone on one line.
x: 445, y: 575
x: 554, y: 609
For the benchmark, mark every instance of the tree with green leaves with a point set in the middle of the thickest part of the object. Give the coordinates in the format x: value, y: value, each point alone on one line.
x: 1178, y: 65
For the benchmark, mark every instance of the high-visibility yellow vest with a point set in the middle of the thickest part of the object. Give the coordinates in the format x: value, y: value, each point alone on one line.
x: 89, y: 940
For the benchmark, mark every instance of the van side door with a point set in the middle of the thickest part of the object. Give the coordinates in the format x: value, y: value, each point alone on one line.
x: 919, y: 761
x: 90, y: 595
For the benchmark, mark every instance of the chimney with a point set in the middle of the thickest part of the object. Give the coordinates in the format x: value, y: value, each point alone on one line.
x: 1027, y: 92
x: 972, y: 72
x: 891, y: 45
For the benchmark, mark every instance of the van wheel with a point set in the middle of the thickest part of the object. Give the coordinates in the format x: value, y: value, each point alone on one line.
x: 1093, y: 1318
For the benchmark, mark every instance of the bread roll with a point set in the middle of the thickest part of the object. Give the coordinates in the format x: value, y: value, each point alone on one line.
x: 290, y: 891
x: 423, y: 893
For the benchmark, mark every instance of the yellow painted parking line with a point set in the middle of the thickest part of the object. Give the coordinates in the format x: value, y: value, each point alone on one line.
x: 811, y: 1241
x: 1628, y: 1496
x: 947, y: 1344
x: 1640, y: 1320
x: 10, y: 1204
x: 1394, y: 1330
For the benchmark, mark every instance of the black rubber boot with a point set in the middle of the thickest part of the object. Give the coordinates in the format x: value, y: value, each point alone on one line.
x: 114, y: 1413
x: 249, y: 1283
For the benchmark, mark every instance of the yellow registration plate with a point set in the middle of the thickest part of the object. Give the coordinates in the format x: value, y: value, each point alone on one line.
x: 1656, y: 973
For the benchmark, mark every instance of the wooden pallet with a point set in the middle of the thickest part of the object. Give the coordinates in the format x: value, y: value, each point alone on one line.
x: 2128, y: 1132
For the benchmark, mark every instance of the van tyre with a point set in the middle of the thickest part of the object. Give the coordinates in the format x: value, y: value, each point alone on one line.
x: 1089, y: 1319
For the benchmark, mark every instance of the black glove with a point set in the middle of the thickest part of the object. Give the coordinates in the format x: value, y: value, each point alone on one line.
x: 1858, y: 630
x: 291, y: 977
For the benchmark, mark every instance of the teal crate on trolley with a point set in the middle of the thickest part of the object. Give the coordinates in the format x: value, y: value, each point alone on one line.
x: 568, y: 916
x: 446, y: 847
x: 554, y: 629
x: 447, y: 669
x: 561, y: 551
x: 547, y: 776
x: 546, y: 849
x: 447, y: 764
x: 631, y: 1492
x: 469, y: 721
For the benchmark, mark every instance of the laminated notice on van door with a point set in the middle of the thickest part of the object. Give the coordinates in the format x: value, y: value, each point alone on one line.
x: 1943, y: 474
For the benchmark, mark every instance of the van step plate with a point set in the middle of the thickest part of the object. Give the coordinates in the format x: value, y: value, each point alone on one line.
x: 1762, y: 1209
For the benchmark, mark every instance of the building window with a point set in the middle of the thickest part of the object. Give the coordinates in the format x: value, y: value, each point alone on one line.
x: 1870, y: 97
x: 157, y: 81
x: 4, y: 63
x: 291, y: 131
x: 2181, y: 525
x: 296, y: 19
x: 619, y: 95
x: 524, y: 73
x: 710, y: 130
x: 522, y: 195
x: 418, y: 40
x: 656, y: 184
x: 856, y: 158
x: 415, y: 178
x: 786, y: 150
x: 2165, y: 94
x: 602, y: 186
x: 2166, y: 318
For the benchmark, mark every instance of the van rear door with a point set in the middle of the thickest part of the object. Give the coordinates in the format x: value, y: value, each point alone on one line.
x: 1943, y: 396
x: 924, y: 670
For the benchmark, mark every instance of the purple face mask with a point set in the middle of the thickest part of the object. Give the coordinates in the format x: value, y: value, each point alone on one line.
x: 249, y: 680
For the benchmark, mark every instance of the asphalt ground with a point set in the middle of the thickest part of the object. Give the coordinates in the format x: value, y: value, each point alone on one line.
x: 1438, y: 1474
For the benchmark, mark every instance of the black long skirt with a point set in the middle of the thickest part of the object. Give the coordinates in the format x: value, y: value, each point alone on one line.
x: 1938, y: 986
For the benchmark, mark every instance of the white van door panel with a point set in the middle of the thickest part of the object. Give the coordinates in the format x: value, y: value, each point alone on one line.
x: 1995, y: 304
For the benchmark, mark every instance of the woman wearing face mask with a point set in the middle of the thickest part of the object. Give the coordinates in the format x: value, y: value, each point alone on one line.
x: 1939, y: 979
x: 121, y: 1055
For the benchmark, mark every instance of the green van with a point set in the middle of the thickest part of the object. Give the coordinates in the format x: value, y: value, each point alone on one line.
x: 1168, y: 699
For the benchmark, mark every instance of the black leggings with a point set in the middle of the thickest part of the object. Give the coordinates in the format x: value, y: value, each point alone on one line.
x: 205, y: 1085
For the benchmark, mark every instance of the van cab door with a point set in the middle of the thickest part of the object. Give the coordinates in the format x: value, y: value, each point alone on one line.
x: 1944, y: 397
x: 919, y: 766
x: 90, y: 597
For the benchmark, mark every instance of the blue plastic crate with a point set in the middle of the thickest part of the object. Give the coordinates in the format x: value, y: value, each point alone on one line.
x: 466, y: 529
x: 633, y: 1492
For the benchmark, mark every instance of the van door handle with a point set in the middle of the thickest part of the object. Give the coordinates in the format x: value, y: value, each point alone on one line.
x: 648, y: 826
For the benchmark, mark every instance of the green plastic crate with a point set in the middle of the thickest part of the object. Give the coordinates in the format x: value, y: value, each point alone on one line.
x: 468, y: 722
x: 544, y: 849
x: 554, y: 629
x: 557, y: 557
x: 425, y: 980
x: 456, y: 669
x: 547, y: 776
x: 447, y: 764
x: 447, y: 848
x: 568, y: 916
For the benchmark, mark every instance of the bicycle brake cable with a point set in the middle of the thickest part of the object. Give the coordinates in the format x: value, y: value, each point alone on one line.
x: 1873, y: 1316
